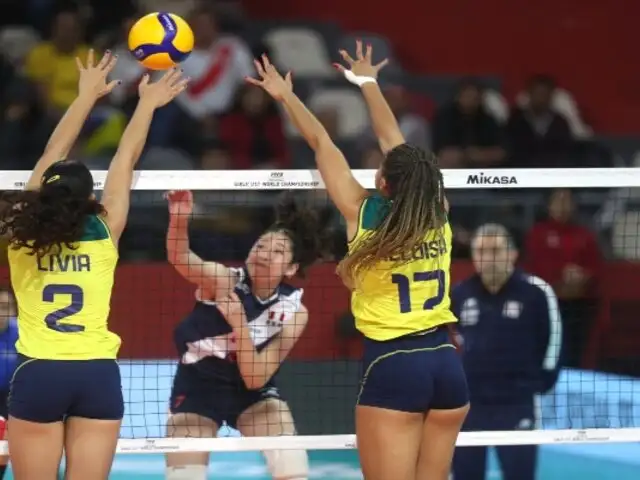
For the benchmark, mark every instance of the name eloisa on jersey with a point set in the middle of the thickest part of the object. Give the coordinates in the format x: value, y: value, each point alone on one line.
x: 265, y: 321
x: 422, y: 251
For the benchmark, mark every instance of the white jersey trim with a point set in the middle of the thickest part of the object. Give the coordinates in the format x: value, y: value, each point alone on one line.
x: 552, y: 355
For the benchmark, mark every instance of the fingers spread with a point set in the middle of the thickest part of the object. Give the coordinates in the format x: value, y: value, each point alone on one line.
x: 266, y: 62
x: 382, y: 64
x: 79, y: 64
x: 181, y: 86
x: 144, y: 80
x: 259, y: 68
x: 104, y: 61
x: 339, y: 67
x: 359, y: 55
x: 113, y: 59
x: 253, y: 81
x: 90, y: 58
x: 368, y: 53
x: 347, y: 58
x: 113, y: 84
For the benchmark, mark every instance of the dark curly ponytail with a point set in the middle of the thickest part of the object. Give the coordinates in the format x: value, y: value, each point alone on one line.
x: 310, y: 237
x: 45, y: 220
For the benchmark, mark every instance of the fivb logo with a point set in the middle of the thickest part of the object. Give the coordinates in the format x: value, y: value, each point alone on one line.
x: 482, y: 179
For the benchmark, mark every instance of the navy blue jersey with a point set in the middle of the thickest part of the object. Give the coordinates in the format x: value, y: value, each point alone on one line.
x: 8, y: 354
x: 511, y: 339
x: 205, y: 339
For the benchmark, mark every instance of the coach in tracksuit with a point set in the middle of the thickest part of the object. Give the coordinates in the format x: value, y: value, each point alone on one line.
x: 510, y: 332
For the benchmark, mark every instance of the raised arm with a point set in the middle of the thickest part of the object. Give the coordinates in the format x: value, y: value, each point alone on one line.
x: 213, y: 279
x: 364, y: 74
x: 257, y: 368
x: 92, y: 85
x: 343, y: 188
x: 118, y: 184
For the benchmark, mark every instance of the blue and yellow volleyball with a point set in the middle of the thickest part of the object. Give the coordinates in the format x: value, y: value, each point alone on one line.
x: 160, y: 40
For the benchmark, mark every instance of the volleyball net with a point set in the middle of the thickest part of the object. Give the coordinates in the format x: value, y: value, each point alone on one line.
x: 595, y: 400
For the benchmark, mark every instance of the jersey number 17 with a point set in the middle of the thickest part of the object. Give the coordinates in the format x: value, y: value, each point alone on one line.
x: 403, y: 283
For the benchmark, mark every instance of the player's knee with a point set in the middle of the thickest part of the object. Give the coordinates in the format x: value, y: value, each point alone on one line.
x: 187, y: 472
x: 287, y: 464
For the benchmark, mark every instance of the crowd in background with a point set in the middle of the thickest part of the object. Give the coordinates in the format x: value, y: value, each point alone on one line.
x: 223, y: 123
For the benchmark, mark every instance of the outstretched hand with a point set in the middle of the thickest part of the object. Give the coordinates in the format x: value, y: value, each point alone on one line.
x: 270, y: 80
x: 93, y: 78
x: 362, y: 65
x: 164, y: 90
x: 180, y: 202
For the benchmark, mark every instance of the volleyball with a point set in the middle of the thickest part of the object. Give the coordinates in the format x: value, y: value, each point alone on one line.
x: 160, y: 40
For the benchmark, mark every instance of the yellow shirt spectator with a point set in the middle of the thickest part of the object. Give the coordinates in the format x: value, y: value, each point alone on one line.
x: 56, y: 71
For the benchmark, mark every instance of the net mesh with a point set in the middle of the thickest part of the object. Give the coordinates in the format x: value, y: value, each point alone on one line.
x: 596, y: 398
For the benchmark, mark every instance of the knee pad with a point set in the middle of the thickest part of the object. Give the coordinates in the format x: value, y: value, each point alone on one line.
x: 187, y: 472
x: 287, y: 464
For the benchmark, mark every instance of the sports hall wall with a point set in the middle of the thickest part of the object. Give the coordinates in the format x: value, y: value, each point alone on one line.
x: 584, y: 44
x: 145, y: 317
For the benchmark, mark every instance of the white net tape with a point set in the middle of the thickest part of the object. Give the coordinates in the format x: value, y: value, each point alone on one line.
x: 310, y: 179
x: 263, y: 180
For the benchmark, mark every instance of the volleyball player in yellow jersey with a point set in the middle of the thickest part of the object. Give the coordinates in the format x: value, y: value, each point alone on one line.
x: 413, y: 397
x: 66, y: 391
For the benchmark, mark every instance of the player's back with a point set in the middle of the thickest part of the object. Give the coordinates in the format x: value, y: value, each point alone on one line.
x: 391, y: 299
x: 64, y: 298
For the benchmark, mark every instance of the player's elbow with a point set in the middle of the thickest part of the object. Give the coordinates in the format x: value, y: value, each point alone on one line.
x: 390, y: 141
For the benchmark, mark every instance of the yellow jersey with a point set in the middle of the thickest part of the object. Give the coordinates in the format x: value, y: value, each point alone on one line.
x: 392, y: 300
x: 64, y: 298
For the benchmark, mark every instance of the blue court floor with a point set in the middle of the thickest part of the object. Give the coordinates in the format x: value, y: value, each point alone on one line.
x: 146, y: 387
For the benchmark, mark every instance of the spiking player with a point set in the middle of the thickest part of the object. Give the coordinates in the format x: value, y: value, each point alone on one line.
x: 413, y: 396
x: 244, y: 324
x: 66, y: 391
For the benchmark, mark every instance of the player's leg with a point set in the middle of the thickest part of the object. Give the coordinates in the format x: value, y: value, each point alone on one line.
x: 448, y: 409
x: 394, y: 394
x: 388, y: 442
x: 270, y: 416
x: 37, y: 404
x: 193, y: 465
x: 192, y: 414
x: 93, y: 423
x: 36, y: 449
x: 471, y: 462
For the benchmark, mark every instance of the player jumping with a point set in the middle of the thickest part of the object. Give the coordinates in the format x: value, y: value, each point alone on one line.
x: 413, y: 397
x: 63, y: 250
x: 245, y: 322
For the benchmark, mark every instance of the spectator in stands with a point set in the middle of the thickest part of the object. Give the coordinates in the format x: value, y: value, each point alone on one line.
x: 128, y: 70
x: 24, y: 131
x: 215, y: 156
x: 52, y: 64
x: 253, y: 132
x: 414, y: 127
x: 217, y: 67
x: 567, y: 256
x: 510, y: 332
x: 537, y: 135
x: 465, y: 135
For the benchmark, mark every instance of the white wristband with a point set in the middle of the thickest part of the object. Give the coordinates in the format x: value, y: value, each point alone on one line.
x: 358, y: 80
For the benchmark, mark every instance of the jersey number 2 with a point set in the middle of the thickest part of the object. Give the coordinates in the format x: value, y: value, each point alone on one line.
x: 77, y: 302
x: 404, y: 288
